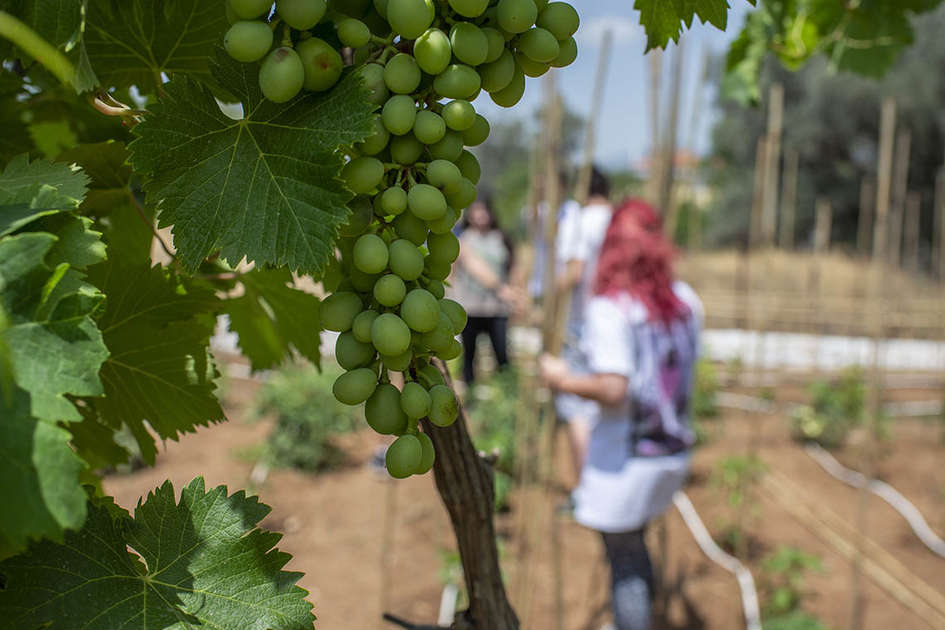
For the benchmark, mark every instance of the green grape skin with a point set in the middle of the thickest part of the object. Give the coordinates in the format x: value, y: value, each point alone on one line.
x: 398, y: 363
x: 353, y: 33
x: 445, y: 223
x: 389, y: 290
x: 363, y: 282
x: 513, y: 92
x: 420, y: 310
x: 410, y: 18
x: 455, y: 312
x: 406, y: 260
x: 248, y: 40
x: 249, y: 9
x: 338, y: 311
x: 404, y: 455
x: 370, y: 254
x: 301, y: 14
x: 373, y: 76
x: 457, y: 81
x: 469, y: 167
x: 414, y: 400
x: 231, y: 17
x: 538, y: 45
x: 281, y: 75
x: 393, y: 200
x: 451, y: 352
x: 436, y: 288
x: 496, y: 43
x: 531, y: 68
x: 383, y: 413
x: 462, y: 195
x: 426, y: 202
x: 569, y: 52
x: 443, y: 173
x: 478, y: 133
x: 351, y: 353
x: 449, y: 148
x: 429, y: 127
x: 354, y: 387
x: 444, y: 248
x: 429, y: 376
x: 390, y: 335
x: 560, y: 19
x: 427, y: 454
x: 516, y: 16
x: 406, y: 149
x: 443, y: 406
x: 363, y: 174
x: 322, y: 64
x: 381, y: 7
x: 361, y: 326
x: 362, y: 214
x: 376, y: 142
x: 498, y: 74
x: 436, y: 269
x: 432, y: 51
x: 402, y: 74
x: 459, y: 115
x: 399, y: 114
x: 469, y: 43
x: 469, y: 8
x: 411, y: 228
x: 439, y: 338
x: 540, y: 5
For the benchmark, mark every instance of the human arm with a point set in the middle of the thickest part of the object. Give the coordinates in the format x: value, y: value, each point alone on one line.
x: 607, y: 389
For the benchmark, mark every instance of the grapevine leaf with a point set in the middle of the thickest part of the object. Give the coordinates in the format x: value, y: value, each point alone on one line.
x: 265, y: 187
x: 31, y: 190
x: 134, y: 41
x: 272, y: 318
x: 57, y: 21
x: 94, y: 441
x: 15, y: 137
x: 201, y: 562
x: 157, y: 330
x: 664, y: 20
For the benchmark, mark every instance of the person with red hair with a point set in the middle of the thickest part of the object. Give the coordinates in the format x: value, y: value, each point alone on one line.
x: 641, y: 340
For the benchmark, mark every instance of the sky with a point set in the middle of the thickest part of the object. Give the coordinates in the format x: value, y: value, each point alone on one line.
x: 623, y: 136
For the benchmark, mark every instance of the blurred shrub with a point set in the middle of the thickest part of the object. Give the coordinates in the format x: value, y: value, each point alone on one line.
x: 491, y: 408
x: 835, y: 409
x: 736, y: 477
x: 799, y: 620
x: 705, y: 390
x: 782, y: 579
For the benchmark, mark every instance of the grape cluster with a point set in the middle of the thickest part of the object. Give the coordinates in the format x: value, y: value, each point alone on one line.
x: 423, y: 62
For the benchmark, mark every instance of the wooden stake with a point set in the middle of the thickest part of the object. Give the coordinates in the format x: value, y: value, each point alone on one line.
x: 665, y: 199
x: 899, y: 191
x: 822, y: 226
x: 911, y: 228
x: 939, y: 233
x: 757, y: 197
x: 769, y: 214
x: 656, y: 142
x: 788, y: 200
x: 864, y: 221
x: 582, y: 189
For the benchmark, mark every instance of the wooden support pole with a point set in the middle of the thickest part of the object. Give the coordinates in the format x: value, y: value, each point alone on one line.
x: 772, y: 164
x: 822, y: 227
x: 788, y: 200
x: 665, y: 199
x: 899, y: 191
x: 823, y: 212
x: 864, y: 221
x: 582, y: 189
x: 939, y: 232
x: 911, y: 231
x: 656, y: 140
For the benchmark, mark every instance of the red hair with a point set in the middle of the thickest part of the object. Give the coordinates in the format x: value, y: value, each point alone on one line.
x: 636, y: 258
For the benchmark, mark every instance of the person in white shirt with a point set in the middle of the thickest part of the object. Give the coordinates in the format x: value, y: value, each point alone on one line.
x: 640, y: 339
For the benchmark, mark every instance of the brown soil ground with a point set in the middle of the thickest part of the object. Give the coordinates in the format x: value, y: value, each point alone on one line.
x: 335, y: 525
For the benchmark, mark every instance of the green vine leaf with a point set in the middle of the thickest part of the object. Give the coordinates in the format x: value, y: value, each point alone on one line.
x: 264, y: 188
x: 57, y: 21
x: 32, y: 190
x: 201, y: 562
x: 664, y: 20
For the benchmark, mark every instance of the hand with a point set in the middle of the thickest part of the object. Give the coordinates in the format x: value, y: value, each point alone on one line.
x: 553, y: 370
x: 514, y: 297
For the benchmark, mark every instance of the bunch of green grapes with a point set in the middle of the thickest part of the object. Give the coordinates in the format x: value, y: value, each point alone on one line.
x: 423, y: 62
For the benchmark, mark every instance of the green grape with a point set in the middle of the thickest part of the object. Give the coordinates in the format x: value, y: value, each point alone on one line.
x: 539, y: 45
x: 363, y: 282
x: 516, y: 16
x: 301, y: 14
x: 373, y: 76
x: 459, y: 115
x: 429, y: 127
x: 381, y: 7
x: 449, y: 148
x: 462, y: 195
x: 457, y: 81
x: 411, y: 228
x: 469, y: 167
x: 370, y: 254
x: 406, y: 149
x: 451, y: 352
x: 445, y: 223
x: 399, y: 114
x: 496, y: 43
x: 439, y: 338
x: 427, y: 454
x: 469, y: 43
x: 231, y: 17
x: 405, y: 454
x: 376, y: 24
x: 390, y: 335
x: 410, y: 18
x: 429, y: 376
x: 356, y: 386
x: 432, y: 51
x: 469, y: 8
x: 389, y: 290
x: 248, y: 40
x: 568, y: 54
x: 361, y: 326
x: 405, y: 259
x: 398, y: 363
x: 376, y: 142
x: 353, y: 33
x: 382, y: 411
x: 560, y: 19
x: 249, y: 9
x: 281, y: 75
x: 513, y: 92
x: 420, y: 310
x: 436, y: 269
x: 435, y: 287
x: 414, y: 400
x: 478, y: 133
x: 393, y: 200
x: 455, y: 312
x: 351, y: 353
x: 426, y: 202
x: 540, y: 5
x: 443, y: 247
x: 321, y: 62
x: 362, y: 214
x: 363, y: 174
x: 529, y: 67
x: 498, y: 74
x: 338, y: 311
x: 402, y: 74
x: 443, y: 173
x: 443, y: 406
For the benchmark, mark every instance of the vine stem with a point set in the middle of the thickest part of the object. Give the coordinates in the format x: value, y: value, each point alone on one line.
x: 37, y: 47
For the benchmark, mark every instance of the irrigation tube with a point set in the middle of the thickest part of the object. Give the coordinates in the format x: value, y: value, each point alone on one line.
x: 884, y: 491
x: 730, y: 563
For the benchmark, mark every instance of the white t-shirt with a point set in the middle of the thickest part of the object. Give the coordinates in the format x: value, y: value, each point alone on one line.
x: 569, y: 211
x: 581, y: 235
x: 637, y: 456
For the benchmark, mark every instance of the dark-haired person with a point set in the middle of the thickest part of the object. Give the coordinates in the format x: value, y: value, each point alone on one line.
x: 641, y: 338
